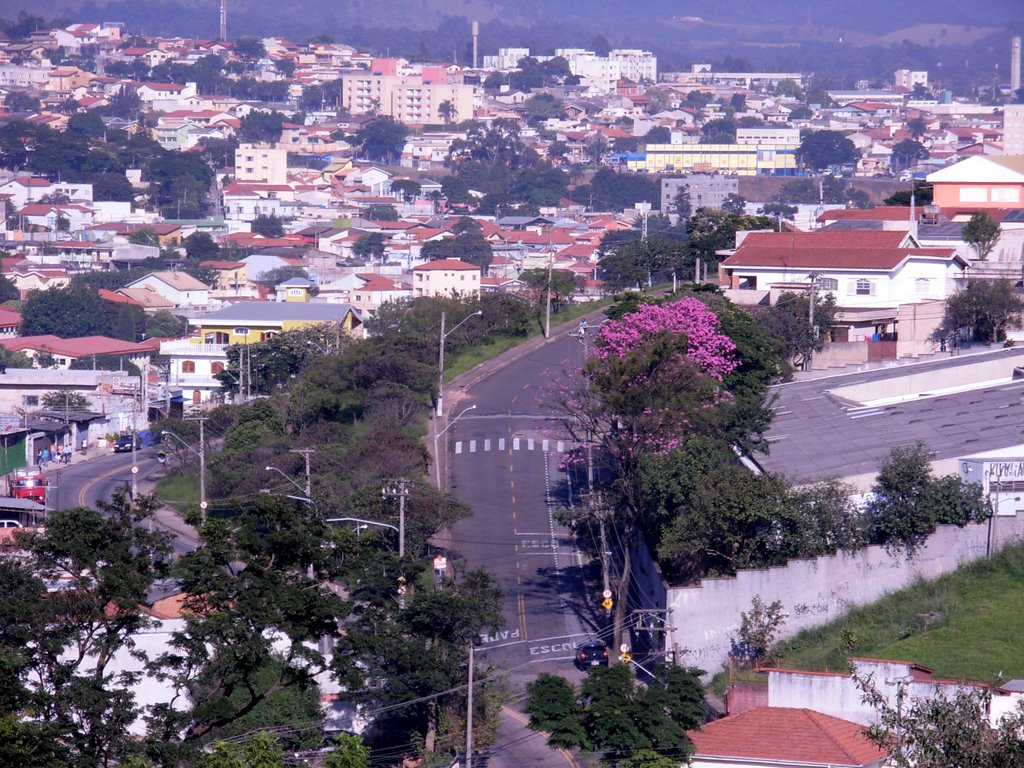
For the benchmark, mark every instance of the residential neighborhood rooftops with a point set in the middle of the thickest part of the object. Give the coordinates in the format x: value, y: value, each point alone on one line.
x: 799, y: 736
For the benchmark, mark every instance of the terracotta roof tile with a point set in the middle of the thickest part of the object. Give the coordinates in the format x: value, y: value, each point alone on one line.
x: 810, y: 738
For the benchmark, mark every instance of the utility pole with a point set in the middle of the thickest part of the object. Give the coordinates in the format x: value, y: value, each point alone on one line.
x: 202, y: 463
x: 547, y: 308
x: 400, y: 490
x: 440, y: 369
x: 810, y: 318
x: 305, y: 455
x: 469, y: 711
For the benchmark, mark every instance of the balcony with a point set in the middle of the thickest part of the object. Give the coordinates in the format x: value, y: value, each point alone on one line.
x: 194, y: 381
x: 187, y: 348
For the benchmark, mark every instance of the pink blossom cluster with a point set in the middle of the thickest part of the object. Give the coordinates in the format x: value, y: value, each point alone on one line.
x: 706, y: 345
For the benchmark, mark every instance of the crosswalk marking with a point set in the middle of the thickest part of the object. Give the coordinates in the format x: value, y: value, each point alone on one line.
x: 487, y: 445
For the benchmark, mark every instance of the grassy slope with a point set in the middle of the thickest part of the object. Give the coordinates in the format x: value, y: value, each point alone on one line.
x: 974, y: 633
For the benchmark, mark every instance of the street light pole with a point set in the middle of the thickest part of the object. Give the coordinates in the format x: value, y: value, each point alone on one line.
x: 440, y: 357
x: 402, y: 493
x: 437, y: 455
x: 201, y: 453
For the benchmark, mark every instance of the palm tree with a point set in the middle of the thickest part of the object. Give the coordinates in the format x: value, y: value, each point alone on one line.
x: 448, y: 111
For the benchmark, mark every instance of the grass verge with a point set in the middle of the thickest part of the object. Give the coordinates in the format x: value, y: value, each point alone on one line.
x: 473, y: 356
x: 965, y: 625
x: 178, y: 490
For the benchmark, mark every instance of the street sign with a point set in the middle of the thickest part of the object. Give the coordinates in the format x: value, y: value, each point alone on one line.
x: 607, y: 603
x: 606, y: 593
x: 624, y: 648
x: 625, y: 657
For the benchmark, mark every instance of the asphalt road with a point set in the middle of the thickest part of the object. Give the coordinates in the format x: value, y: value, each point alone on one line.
x: 503, y: 460
x: 98, y: 475
x: 816, y: 435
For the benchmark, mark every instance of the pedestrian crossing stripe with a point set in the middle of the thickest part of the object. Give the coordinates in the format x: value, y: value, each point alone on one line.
x: 529, y: 444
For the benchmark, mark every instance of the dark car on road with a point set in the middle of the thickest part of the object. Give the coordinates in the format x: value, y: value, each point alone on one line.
x: 124, y: 443
x: 592, y: 653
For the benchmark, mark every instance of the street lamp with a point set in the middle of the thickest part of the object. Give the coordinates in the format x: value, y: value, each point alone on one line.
x: 305, y: 490
x: 201, y: 453
x: 437, y: 455
x: 440, y: 357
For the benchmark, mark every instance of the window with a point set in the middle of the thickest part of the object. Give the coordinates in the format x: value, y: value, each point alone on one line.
x: 217, y: 337
x: 32, y: 401
x: 240, y: 331
x: 973, y: 195
x: 864, y: 288
x: 188, y: 366
x: 922, y: 285
x: 1005, y: 195
x: 267, y: 335
x: 828, y: 284
x: 216, y: 368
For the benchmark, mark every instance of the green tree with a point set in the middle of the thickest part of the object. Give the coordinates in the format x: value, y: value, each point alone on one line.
x: 88, y: 124
x: 981, y: 233
x: 681, y: 204
x: 719, y: 131
x: 348, y: 752
x: 145, y: 236
x: 256, y: 605
x: 639, y: 726
x: 60, y: 648
x: 382, y: 213
x: 552, y: 707
x: 164, y: 325
x: 259, y: 126
x: 789, y: 320
x: 200, y: 246
x: 820, y: 149
x: 382, y: 140
x: 908, y: 502
x: 64, y: 312
x: 59, y: 400
x: 985, y: 308
x: 393, y: 656
x: 907, y: 153
x: 407, y: 188
x: 448, y: 111
x: 249, y: 47
x: 734, y: 204
x: 369, y: 246
x: 17, y: 101
x: 8, y: 290
x: 268, y: 226
x: 563, y: 285
x: 943, y: 731
x: 542, y: 106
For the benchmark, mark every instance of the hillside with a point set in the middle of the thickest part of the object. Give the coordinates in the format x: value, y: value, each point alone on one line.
x: 875, y: 17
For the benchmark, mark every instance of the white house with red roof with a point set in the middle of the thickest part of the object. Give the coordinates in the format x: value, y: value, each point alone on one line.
x: 168, y: 97
x: 446, y: 277
x: 372, y: 290
x: 887, y: 288
x: 23, y: 190
x: 66, y: 351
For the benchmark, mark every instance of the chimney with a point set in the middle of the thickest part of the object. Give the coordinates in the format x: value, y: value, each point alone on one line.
x: 223, y: 21
x: 475, y: 27
x: 1014, y: 64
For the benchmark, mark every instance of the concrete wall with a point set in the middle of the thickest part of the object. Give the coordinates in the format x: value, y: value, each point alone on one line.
x: 705, y: 616
x: 974, y: 371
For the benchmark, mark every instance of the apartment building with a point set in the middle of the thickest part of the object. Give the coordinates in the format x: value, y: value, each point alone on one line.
x: 413, y: 99
x: 636, y: 65
x: 1013, y: 129
x: 739, y: 159
x: 254, y: 163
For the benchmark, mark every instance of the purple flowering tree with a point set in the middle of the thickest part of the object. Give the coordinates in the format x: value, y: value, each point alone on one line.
x: 655, y: 377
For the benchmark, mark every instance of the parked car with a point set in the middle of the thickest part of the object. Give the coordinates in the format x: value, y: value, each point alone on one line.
x: 124, y: 443
x: 592, y: 653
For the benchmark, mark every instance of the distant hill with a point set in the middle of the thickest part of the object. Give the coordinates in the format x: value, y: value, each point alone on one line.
x: 876, y: 17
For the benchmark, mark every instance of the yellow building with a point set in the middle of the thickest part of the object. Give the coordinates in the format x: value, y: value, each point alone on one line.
x: 195, y: 362
x: 739, y: 159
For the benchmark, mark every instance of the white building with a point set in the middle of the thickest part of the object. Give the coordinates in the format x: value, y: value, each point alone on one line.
x: 261, y: 164
x: 907, y: 78
x: 636, y: 65
x: 507, y: 58
x: 1013, y: 129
